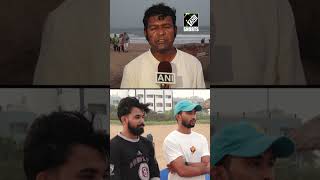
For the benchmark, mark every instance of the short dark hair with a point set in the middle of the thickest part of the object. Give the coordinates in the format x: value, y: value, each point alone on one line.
x: 51, y: 137
x: 179, y: 113
x: 126, y: 104
x: 160, y: 10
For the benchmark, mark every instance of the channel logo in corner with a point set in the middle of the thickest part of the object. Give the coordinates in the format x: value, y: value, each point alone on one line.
x: 191, y: 22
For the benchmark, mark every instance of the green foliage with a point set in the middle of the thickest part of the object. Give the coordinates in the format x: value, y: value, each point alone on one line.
x: 154, y: 116
x: 11, y: 169
x: 11, y: 156
x: 9, y: 149
x: 113, y: 112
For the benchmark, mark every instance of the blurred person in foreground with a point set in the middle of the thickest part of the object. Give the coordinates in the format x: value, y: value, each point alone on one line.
x: 255, y: 43
x: 74, y: 35
x: 241, y: 152
x: 64, y: 146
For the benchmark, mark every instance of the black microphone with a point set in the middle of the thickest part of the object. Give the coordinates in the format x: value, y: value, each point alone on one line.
x: 164, y: 76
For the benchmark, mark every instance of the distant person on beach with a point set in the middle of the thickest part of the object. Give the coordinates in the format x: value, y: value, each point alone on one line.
x: 160, y: 31
x: 121, y: 42
x: 241, y: 152
x: 115, y: 42
x: 65, y: 146
x: 126, y: 41
x: 132, y: 155
x: 186, y: 152
x: 255, y: 43
x: 118, y: 43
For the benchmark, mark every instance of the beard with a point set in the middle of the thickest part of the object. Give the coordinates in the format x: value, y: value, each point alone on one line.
x: 187, y: 124
x: 137, y: 131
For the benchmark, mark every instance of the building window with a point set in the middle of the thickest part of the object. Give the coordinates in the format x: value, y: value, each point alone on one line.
x: 168, y: 104
x: 149, y: 96
x: 19, y: 127
x: 159, y: 105
x: 140, y: 96
x: 151, y: 104
x: 168, y: 96
x: 158, y: 96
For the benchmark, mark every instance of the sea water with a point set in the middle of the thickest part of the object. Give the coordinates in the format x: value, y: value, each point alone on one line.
x: 136, y: 35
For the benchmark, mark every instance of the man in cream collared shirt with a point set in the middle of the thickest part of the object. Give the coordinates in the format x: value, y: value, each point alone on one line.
x: 160, y: 30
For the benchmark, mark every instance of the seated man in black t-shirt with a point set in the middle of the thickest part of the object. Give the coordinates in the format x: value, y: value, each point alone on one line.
x: 132, y: 156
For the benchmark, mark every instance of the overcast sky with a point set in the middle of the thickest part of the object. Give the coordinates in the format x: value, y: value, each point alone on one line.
x: 304, y: 102
x: 129, y: 13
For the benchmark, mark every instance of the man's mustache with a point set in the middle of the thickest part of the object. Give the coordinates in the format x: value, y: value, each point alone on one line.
x: 141, y: 125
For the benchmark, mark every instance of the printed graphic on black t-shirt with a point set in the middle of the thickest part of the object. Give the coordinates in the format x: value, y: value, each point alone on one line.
x: 132, y: 160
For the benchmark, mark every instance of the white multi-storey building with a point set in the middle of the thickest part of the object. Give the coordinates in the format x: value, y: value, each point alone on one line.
x: 159, y: 100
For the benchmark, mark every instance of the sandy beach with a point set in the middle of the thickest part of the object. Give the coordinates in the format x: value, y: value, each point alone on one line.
x: 119, y: 60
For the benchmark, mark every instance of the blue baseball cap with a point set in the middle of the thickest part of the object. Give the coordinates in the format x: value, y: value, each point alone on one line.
x: 243, y: 140
x: 186, y: 105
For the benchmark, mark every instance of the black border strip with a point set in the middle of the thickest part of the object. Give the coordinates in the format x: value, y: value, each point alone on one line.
x: 162, y: 89
x: 54, y: 86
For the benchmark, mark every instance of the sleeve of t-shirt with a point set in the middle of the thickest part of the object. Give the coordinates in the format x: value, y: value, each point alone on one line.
x: 171, y: 150
x: 205, y: 150
x: 154, y: 167
x: 115, y: 173
x: 127, y: 79
x: 200, y: 78
x: 289, y: 62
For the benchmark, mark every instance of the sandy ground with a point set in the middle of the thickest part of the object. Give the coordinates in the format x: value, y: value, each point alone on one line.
x: 159, y: 133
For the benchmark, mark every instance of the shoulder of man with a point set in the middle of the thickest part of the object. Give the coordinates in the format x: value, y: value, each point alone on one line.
x: 189, y: 57
x: 171, y: 137
x: 145, y: 141
x: 198, y: 135
x: 115, y: 140
x: 138, y: 60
